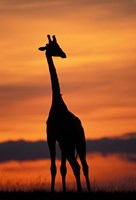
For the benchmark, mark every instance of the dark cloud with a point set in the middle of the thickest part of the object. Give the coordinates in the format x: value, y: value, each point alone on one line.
x: 113, y: 145
x: 23, y: 150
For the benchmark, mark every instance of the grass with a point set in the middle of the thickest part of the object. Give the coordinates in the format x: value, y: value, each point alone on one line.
x: 70, y: 195
x: 39, y: 192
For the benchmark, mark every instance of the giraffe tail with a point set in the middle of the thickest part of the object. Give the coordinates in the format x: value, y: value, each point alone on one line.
x: 76, y: 154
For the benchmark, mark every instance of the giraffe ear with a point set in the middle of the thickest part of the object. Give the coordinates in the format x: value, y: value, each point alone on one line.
x: 54, y: 39
x: 49, y: 38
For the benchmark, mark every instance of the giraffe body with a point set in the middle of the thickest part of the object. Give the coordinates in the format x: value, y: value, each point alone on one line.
x: 63, y: 126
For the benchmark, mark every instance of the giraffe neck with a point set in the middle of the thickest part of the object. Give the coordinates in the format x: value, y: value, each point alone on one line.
x: 54, y: 78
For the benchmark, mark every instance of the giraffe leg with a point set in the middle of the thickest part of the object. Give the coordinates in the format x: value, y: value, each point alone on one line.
x: 76, y: 170
x: 85, y: 171
x: 81, y: 149
x: 53, y: 165
x: 63, y: 171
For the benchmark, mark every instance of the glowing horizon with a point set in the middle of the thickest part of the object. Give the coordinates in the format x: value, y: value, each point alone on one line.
x: 29, y: 178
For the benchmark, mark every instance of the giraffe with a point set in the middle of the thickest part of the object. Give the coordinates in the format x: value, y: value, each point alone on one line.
x: 63, y: 126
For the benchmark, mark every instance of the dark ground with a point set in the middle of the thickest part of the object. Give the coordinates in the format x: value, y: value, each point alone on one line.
x: 67, y: 196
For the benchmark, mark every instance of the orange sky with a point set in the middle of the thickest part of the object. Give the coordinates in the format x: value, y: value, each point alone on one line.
x: 98, y: 78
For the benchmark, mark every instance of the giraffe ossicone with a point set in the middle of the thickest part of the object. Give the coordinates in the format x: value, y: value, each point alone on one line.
x: 52, y: 48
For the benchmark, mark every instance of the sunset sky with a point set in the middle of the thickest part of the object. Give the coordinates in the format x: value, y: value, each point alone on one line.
x: 97, y: 79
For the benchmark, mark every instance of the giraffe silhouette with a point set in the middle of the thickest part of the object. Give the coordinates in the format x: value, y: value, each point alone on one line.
x: 63, y: 126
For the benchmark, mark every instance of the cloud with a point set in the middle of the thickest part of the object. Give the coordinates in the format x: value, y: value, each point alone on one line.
x: 57, y: 8
x: 129, y: 135
x: 114, y: 145
x: 24, y: 150
x: 24, y: 98
x: 13, y: 93
x: 114, y: 87
x: 128, y: 157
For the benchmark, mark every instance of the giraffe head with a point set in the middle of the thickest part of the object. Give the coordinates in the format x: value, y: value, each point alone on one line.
x: 52, y: 48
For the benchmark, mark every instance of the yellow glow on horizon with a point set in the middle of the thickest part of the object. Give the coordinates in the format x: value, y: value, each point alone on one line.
x: 27, y: 175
